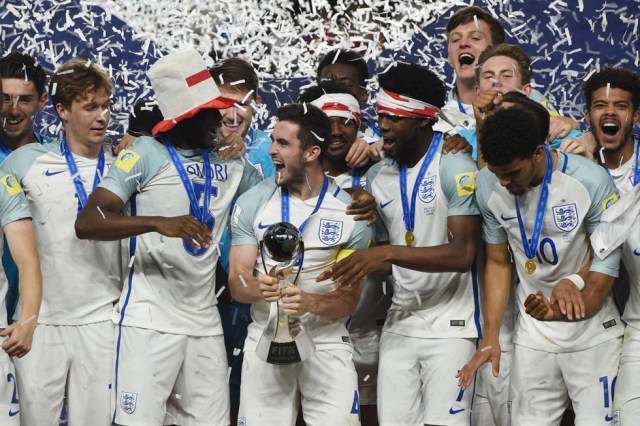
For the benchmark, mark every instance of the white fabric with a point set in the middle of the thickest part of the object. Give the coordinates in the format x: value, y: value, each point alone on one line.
x: 401, y: 105
x: 9, y: 396
x: 75, y: 360
x: 331, y: 104
x: 543, y: 384
x: 616, y: 223
x: 164, y: 378
x: 490, y: 402
x: 326, y: 383
x: 417, y: 383
x: 626, y: 403
x: 168, y: 77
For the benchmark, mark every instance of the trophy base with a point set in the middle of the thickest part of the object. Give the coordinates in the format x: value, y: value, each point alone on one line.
x: 291, y: 352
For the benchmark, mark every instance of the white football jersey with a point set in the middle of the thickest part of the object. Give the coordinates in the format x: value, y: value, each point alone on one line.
x: 326, y: 233
x: 578, y: 194
x: 13, y: 207
x: 624, y: 175
x: 428, y: 305
x: 81, y: 278
x: 170, y: 286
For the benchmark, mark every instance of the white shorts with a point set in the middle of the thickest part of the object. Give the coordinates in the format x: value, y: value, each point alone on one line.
x: 325, y: 384
x: 490, y: 403
x: 72, y: 358
x: 626, y: 403
x: 366, y: 353
x: 543, y: 384
x: 9, y: 401
x: 164, y: 378
x: 417, y: 381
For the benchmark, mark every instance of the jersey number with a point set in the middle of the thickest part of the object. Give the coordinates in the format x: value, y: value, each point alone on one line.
x: 547, y: 252
x: 14, y: 395
x: 209, y: 220
x: 355, y: 407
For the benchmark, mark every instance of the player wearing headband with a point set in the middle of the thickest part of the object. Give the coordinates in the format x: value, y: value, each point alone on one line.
x: 431, y: 224
x: 365, y: 325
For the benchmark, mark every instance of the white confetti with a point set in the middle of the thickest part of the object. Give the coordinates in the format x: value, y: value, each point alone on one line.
x: 233, y: 83
x: 220, y: 292
x: 249, y: 93
x: 131, y: 260
x: 100, y: 211
x: 242, y: 280
x: 236, y: 351
x: 316, y: 136
x: 28, y: 320
x: 475, y: 19
x: 608, y: 89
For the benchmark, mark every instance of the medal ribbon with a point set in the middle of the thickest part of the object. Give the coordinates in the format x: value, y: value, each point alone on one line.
x: 73, y: 170
x: 200, y: 212
x: 531, y: 248
x: 285, y: 209
x: 409, y: 211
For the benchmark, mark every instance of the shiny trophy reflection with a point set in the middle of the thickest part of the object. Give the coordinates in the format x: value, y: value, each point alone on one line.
x: 284, y: 340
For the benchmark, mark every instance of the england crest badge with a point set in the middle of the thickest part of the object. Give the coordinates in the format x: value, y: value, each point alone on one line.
x: 330, y: 231
x: 566, y: 217
x: 128, y: 402
x: 427, y: 191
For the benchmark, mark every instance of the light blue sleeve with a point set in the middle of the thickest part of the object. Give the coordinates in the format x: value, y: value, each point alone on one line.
x: 135, y: 167
x: 603, y: 194
x: 246, y: 210
x: 573, y: 134
x: 458, y: 181
x: 250, y: 177
x: 471, y: 135
x: 22, y: 159
x: 258, y: 152
x: 13, y: 203
x: 380, y: 233
x: 492, y: 231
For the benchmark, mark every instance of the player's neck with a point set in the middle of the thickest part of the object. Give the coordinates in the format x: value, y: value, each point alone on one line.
x: 418, y: 149
x: 334, y: 167
x: 13, y: 143
x: 616, y: 158
x: 541, y: 168
x: 84, y: 149
x: 308, y: 185
x: 466, y: 91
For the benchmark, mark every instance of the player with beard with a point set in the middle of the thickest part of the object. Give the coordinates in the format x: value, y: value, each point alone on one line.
x: 365, y: 325
x: 538, y: 207
x: 326, y: 383
x: 431, y: 223
x: 613, y: 100
x: 168, y: 198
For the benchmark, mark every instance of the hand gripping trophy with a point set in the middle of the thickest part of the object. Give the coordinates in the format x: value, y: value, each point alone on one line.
x: 284, y: 340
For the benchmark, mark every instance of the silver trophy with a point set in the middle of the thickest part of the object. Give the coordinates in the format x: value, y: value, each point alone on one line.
x: 284, y: 340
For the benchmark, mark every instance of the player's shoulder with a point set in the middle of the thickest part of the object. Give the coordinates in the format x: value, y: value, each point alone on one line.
x: 582, y: 169
x: 457, y: 161
x: 25, y: 157
x: 338, y: 193
x: 260, y: 192
x: 384, y: 166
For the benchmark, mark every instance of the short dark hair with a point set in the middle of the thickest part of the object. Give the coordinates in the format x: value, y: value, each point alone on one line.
x: 347, y: 57
x: 466, y: 14
x: 328, y: 86
x: 235, y: 69
x: 541, y: 113
x: 315, y: 127
x: 143, y: 118
x: 510, y: 51
x: 506, y: 136
x: 414, y: 81
x: 618, y: 78
x: 19, y: 65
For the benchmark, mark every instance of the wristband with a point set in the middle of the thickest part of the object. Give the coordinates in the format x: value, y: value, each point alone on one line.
x: 577, y: 280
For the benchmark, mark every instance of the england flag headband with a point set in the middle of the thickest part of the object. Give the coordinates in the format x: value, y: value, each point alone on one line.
x: 403, y: 106
x: 339, y: 105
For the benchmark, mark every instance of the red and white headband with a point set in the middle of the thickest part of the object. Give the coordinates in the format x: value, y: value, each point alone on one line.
x: 339, y: 105
x: 403, y: 106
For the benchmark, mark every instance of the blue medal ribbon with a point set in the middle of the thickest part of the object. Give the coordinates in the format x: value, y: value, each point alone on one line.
x: 73, y: 170
x: 200, y: 212
x: 285, y: 209
x: 356, y: 178
x: 636, y: 170
x: 4, y: 148
x: 460, y: 107
x: 409, y: 211
x: 530, y: 248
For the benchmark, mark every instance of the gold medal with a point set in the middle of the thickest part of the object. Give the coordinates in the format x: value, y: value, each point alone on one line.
x: 530, y: 266
x: 408, y: 238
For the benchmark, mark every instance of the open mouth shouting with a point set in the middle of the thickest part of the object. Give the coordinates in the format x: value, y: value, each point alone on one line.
x: 466, y: 60
x: 610, y: 128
